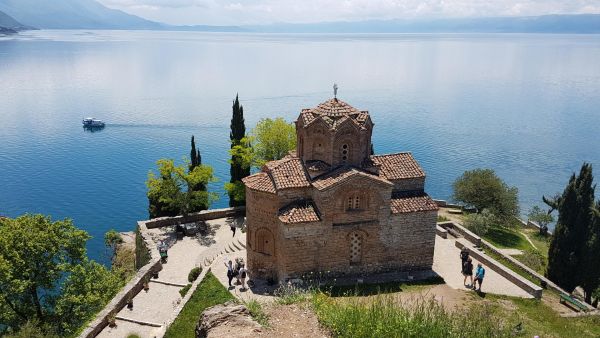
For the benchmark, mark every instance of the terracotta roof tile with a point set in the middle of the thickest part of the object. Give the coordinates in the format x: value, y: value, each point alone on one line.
x: 299, y: 212
x: 259, y: 181
x: 288, y: 172
x: 334, y: 112
x: 398, y: 166
x: 317, y: 165
x: 341, y: 174
x: 412, y: 202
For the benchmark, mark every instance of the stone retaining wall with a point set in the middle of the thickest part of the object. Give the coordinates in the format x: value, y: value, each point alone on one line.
x: 204, y: 215
x: 464, y: 232
x: 505, y: 272
x: 120, y: 300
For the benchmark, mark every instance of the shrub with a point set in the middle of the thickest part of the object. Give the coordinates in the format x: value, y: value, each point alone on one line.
x: 133, y: 335
x: 184, y: 290
x: 290, y: 294
x: 257, y: 312
x: 534, y: 259
x: 194, y: 273
x: 142, y: 254
x: 480, y: 223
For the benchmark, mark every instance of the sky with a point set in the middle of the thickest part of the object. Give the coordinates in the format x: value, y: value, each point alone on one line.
x: 240, y: 12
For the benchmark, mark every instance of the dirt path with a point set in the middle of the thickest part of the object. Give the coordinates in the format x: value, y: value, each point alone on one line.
x: 292, y: 321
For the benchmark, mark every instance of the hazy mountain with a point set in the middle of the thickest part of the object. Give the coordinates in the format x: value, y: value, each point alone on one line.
x: 584, y: 23
x: 9, y: 25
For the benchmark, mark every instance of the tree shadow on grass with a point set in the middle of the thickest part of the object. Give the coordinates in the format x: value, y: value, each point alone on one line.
x: 504, y: 237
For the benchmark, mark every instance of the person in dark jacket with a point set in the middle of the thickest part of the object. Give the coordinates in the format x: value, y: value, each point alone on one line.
x: 467, y: 270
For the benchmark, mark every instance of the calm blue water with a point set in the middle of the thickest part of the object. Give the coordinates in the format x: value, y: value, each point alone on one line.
x: 527, y: 106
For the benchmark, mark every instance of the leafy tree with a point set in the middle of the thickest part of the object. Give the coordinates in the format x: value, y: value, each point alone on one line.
x: 172, y: 191
x: 32, y: 329
x: 480, y: 223
x: 237, y: 170
x: 40, y: 263
x: 482, y: 189
x: 85, y: 291
x: 272, y: 139
x: 566, y: 263
x: 542, y: 218
x: 591, y: 257
x: 112, y: 239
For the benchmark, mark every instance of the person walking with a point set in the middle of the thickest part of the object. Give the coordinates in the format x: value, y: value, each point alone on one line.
x: 230, y: 273
x: 243, y: 275
x: 233, y: 227
x: 479, y: 274
x: 467, y: 270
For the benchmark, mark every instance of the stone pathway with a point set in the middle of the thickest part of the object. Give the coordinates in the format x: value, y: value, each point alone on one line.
x: 529, y: 240
x: 447, y: 264
x: 511, y: 252
x: 152, y: 309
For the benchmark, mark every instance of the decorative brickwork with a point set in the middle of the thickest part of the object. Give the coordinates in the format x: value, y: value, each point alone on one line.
x: 332, y: 207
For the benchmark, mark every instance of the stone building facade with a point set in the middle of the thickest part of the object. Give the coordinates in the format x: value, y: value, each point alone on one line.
x: 331, y: 206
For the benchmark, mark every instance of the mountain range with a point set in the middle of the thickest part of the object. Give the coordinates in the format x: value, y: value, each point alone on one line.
x: 8, y: 25
x: 90, y: 14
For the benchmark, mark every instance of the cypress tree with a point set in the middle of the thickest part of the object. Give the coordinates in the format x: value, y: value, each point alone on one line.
x: 590, y: 271
x: 196, y: 160
x: 566, y: 262
x: 193, y: 155
x: 238, y: 131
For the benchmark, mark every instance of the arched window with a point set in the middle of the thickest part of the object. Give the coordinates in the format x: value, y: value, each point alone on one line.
x: 355, y: 248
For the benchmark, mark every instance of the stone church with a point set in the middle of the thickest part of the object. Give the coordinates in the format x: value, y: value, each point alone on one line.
x: 333, y: 207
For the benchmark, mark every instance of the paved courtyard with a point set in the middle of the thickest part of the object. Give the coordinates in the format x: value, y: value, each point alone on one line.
x: 447, y: 264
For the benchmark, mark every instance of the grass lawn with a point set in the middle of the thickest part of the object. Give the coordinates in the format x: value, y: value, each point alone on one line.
x: 505, y: 237
x: 381, y: 288
x: 539, y: 319
x: 210, y: 292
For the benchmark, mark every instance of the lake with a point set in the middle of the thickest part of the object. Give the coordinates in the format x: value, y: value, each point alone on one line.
x: 526, y: 105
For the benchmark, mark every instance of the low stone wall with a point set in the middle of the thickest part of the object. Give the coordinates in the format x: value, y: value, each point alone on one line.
x: 505, y: 272
x: 120, y: 300
x: 204, y: 215
x: 441, y: 231
x: 464, y: 232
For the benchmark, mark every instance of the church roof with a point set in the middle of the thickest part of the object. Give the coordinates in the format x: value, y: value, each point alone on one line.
x: 260, y: 181
x: 412, y: 202
x: 299, y: 212
x: 397, y: 166
x: 288, y: 173
x: 341, y: 174
x: 334, y: 112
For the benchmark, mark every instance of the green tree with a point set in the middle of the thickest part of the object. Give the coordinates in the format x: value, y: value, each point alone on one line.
x: 480, y: 223
x: 112, y: 239
x: 590, y: 276
x: 85, y: 291
x: 542, y: 218
x: 566, y: 265
x: 196, y: 161
x: 172, y: 191
x: 237, y: 171
x: 272, y: 139
x: 32, y: 329
x: 39, y: 261
x: 482, y: 189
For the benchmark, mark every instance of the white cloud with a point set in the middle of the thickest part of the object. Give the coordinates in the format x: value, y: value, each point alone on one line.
x: 236, y: 12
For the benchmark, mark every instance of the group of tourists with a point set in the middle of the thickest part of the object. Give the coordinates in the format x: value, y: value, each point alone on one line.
x: 467, y: 270
x: 237, y: 271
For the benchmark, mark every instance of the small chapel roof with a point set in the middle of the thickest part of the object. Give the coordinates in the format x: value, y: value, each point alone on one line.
x: 288, y: 172
x: 334, y: 112
x: 412, y: 202
x: 397, y: 166
x: 299, y: 212
x: 260, y: 181
x: 341, y: 174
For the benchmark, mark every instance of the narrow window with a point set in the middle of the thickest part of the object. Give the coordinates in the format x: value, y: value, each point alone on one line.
x: 355, y: 249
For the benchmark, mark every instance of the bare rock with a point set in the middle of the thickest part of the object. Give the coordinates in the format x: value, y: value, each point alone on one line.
x: 229, y: 320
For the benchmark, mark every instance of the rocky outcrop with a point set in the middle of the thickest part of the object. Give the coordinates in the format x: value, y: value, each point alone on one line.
x: 229, y: 320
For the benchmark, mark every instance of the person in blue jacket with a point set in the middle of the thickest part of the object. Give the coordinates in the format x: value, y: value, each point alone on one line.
x: 479, y: 274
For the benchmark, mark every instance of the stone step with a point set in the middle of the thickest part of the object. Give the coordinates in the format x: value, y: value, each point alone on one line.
x: 136, y: 321
x: 227, y: 251
x: 166, y: 283
x: 243, y: 245
x: 236, y: 245
x: 233, y: 247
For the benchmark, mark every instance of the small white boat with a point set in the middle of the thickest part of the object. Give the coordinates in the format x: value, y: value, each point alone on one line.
x: 92, y: 122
